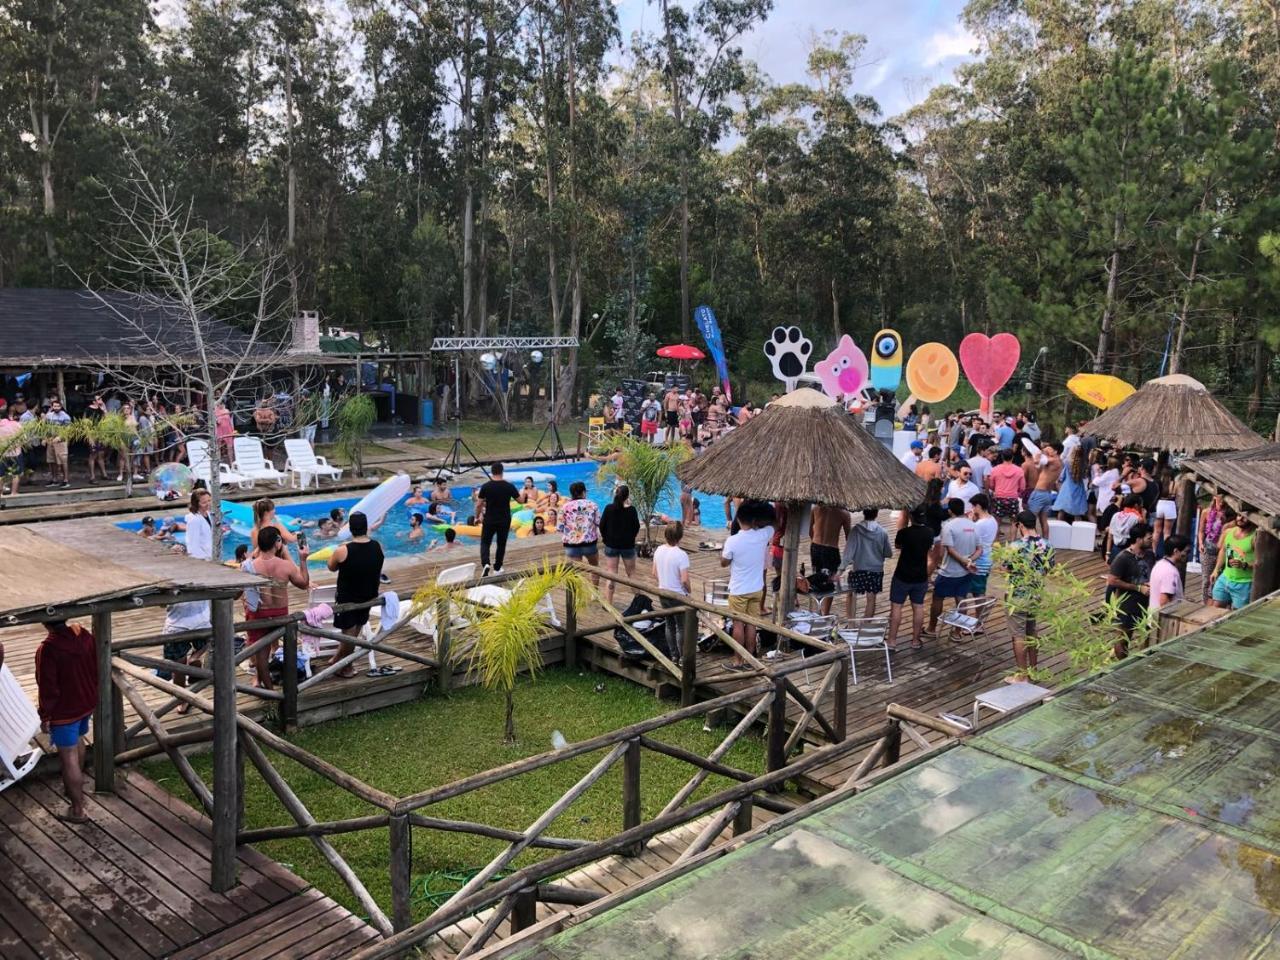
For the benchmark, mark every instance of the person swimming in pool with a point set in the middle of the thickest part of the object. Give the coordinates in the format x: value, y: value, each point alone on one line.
x: 528, y: 493
x: 415, y: 496
x: 415, y: 527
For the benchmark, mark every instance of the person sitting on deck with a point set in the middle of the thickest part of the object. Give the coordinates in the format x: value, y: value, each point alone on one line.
x: 67, y: 683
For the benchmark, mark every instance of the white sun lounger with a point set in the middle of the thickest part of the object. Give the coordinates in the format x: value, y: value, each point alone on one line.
x: 19, y: 723
x: 251, y: 462
x: 302, y: 464
x: 198, y: 458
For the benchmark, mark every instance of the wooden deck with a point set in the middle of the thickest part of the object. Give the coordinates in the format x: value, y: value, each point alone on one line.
x: 944, y: 676
x: 133, y: 883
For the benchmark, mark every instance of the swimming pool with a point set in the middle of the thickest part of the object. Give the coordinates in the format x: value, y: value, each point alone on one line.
x: 394, y: 532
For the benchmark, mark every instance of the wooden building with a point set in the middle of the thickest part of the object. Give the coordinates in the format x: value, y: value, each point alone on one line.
x: 1248, y: 480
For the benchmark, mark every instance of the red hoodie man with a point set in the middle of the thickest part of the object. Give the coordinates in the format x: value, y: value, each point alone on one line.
x: 67, y: 680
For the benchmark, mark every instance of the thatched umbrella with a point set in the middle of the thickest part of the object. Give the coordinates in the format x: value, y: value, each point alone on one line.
x: 1175, y: 414
x: 804, y: 448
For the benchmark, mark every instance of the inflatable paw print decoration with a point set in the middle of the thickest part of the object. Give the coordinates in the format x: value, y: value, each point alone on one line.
x: 788, y: 350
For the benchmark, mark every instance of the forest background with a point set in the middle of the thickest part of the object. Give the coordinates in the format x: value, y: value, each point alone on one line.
x: 1101, y: 179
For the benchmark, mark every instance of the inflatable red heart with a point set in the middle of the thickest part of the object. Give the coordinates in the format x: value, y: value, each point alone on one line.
x: 989, y: 362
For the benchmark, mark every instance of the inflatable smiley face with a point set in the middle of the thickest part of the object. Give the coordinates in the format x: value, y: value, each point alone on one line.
x: 886, y: 360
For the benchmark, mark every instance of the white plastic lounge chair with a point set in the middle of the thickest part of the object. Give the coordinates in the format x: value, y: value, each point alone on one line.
x: 198, y: 458
x: 19, y: 723
x: 253, y: 463
x: 302, y: 464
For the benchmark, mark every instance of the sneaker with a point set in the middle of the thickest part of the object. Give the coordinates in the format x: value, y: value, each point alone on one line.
x: 66, y: 484
x: 485, y: 571
x: 119, y: 478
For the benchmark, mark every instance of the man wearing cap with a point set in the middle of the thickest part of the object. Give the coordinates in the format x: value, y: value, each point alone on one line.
x: 913, y: 456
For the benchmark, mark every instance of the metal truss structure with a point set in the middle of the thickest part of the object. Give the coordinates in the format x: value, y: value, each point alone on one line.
x: 460, y: 344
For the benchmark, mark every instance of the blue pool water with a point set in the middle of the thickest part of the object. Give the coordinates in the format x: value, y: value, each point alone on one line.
x: 394, y: 532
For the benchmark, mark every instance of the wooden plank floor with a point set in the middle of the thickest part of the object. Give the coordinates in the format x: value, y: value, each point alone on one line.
x: 604, y: 877
x: 133, y: 883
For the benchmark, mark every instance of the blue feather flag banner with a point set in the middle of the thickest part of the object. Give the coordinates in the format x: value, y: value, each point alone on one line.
x: 705, y: 318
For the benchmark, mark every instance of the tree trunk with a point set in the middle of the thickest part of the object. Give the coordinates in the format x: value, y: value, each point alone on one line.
x: 570, y: 373
x: 1175, y: 361
x: 1109, y: 308
x: 677, y: 110
x: 835, y: 310
x: 215, y: 460
x: 509, y: 723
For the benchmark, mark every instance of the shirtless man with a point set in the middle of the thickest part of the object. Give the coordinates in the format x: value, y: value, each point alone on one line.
x: 1042, y: 495
x: 670, y: 416
x: 825, y: 527
x: 274, y: 563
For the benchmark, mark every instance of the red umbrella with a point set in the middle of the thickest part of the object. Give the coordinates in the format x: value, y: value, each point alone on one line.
x: 681, y: 351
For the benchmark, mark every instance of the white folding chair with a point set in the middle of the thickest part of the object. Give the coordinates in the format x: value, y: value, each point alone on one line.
x: 19, y: 723
x: 302, y: 464
x: 198, y: 459
x: 968, y: 618
x: 252, y: 462
x: 863, y: 634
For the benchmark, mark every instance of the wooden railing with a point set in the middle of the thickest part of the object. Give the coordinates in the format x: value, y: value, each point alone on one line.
x: 402, y: 814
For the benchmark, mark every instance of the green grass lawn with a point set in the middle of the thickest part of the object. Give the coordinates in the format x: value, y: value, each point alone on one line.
x: 371, y: 449
x: 488, y: 439
x: 438, y: 739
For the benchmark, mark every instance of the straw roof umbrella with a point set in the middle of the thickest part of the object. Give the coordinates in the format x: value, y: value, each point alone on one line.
x: 804, y: 448
x: 1173, y: 413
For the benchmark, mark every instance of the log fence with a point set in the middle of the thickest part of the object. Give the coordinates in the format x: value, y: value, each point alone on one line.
x: 763, y: 693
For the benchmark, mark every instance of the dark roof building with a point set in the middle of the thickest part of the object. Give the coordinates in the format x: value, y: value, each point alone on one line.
x: 58, y: 328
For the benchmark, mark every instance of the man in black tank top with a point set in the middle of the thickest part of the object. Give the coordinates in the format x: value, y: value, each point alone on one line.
x: 358, y: 563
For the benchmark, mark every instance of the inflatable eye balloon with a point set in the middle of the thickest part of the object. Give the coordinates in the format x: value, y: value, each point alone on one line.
x: 989, y: 362
x: 932, y: 373
x: 788, y: 351
x: 886, y: 360
x: 844, y: 372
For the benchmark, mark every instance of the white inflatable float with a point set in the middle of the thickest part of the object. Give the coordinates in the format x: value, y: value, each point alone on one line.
x: 378, y: 501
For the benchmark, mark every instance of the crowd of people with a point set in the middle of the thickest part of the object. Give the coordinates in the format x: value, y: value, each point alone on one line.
x: 676, y: 414
x: 154, y: 431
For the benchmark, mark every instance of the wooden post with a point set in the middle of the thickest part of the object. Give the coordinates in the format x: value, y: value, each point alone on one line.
x: 777, y: 737
x: 688, y: 655
x: 631, y: 810
x: 62, y: 388
x: 443, y: 651
x: 104, y: 722
x: 742, y: 819
x: 790, y: 552
x: 524, y: 912
x: 840, y: 701
x: 893, y: 743
x: 401, y: 872
x: 1266, y: 564
x: 289, y: 681
x: 1185, y: 496
x: 227, y: 760
x: 570, y: 628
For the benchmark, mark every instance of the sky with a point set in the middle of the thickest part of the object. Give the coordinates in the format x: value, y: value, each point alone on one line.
x: 912, y: 45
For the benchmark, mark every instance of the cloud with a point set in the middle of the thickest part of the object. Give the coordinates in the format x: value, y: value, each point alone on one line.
x: 949, y: 44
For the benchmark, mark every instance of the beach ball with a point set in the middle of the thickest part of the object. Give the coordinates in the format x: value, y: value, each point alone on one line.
x: 172, y: 481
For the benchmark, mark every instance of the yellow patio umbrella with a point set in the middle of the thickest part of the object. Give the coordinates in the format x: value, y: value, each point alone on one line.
x: 1100, y: 389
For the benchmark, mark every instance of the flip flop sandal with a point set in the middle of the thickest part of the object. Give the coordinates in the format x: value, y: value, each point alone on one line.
x: 69, y: 817
x: 373, y: 672
x: 388, y: 670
